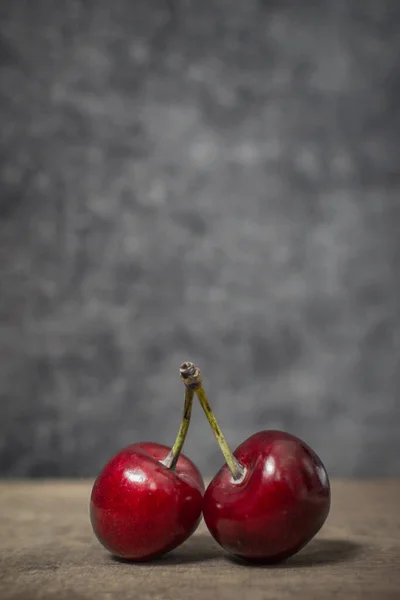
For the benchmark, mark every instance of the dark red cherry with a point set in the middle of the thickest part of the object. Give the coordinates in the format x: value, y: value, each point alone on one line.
x: 141, y: 509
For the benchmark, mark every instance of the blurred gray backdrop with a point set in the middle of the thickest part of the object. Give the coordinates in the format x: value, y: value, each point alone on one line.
x: 216, y: 181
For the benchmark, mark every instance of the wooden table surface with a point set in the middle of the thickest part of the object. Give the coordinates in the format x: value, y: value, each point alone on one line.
x: 47, y: 550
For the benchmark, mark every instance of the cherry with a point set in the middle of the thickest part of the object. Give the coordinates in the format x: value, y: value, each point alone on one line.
x: 270, y: 498
x: 147, y: 500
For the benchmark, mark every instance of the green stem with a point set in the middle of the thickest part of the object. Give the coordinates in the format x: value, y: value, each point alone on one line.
x: 172, y: 458
x: 191, y: 377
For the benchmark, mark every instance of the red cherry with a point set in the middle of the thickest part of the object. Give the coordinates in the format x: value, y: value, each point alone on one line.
x: 270, y: 498
x: 279, y: 504
x: 141, y: 508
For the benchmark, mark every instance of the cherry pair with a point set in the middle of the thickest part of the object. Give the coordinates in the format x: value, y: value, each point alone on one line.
x: 267, y: 502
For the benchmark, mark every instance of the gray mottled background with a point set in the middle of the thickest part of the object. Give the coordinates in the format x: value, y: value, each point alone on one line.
x: 216, y: 181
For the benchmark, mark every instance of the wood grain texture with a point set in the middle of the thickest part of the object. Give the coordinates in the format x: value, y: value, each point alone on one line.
x: 47, y: 550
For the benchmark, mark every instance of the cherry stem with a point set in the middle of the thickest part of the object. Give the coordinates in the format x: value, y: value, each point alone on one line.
x: 172, y: 458
x: 191, y: 377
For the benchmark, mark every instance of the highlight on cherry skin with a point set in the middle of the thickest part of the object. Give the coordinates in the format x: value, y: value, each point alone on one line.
x: 270, y: 498
x: 147, y: 500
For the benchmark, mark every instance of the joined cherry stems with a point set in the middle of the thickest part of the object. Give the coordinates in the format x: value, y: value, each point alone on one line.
x: 191, y: 377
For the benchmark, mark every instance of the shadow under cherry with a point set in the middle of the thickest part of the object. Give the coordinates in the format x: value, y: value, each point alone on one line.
x: 199, y: 548
x: 318, y: 552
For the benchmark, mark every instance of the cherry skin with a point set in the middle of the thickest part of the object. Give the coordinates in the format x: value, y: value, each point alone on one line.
x: 139, y: 508
x: 278, y: 506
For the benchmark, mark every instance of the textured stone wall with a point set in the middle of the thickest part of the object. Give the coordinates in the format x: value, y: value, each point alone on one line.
x: 216, y: 181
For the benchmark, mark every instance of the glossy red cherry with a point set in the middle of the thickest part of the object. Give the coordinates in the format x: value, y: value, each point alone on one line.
x: 279, y: 504
x: 140, y: 508
x: 270, y: 498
